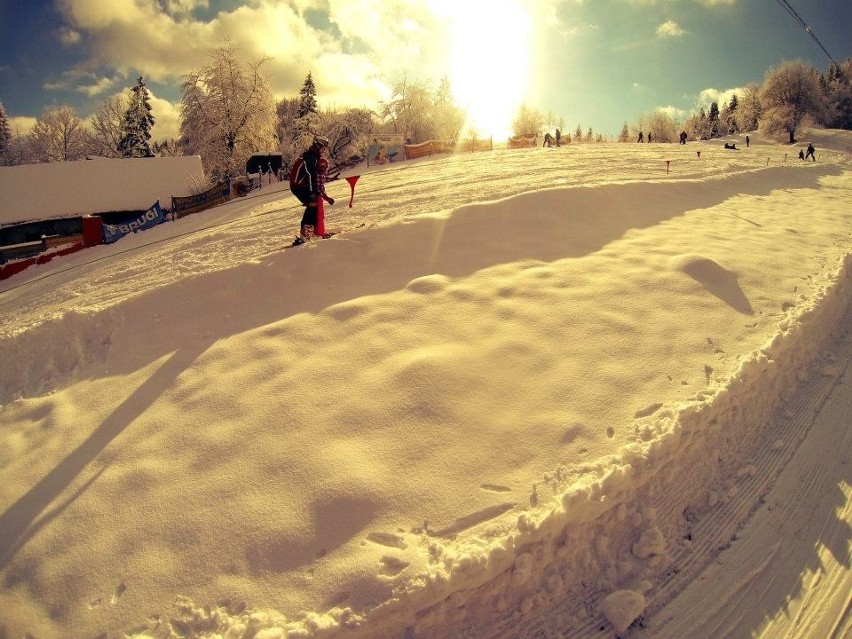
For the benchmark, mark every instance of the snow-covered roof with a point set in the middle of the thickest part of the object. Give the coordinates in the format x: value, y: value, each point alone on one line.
x: 32, y: 192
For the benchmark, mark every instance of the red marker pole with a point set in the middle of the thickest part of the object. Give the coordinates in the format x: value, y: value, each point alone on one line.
x: 352, y: 179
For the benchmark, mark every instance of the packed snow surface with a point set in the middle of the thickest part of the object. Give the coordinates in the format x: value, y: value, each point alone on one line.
x: 523, y: 393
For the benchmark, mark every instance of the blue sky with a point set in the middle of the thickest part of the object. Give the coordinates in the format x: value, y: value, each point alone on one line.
x: 593, y: 63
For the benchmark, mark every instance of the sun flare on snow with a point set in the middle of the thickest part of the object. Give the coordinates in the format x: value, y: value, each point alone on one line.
x: 489, y: 63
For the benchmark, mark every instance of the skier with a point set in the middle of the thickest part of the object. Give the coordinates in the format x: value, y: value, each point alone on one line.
x: 810, y: 153
x: 307, y: 182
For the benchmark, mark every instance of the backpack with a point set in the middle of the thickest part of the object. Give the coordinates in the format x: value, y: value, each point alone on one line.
x: 300, y: 173
x: 299, y: 176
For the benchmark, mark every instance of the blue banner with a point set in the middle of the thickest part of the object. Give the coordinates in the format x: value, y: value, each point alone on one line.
x: 149, y: 218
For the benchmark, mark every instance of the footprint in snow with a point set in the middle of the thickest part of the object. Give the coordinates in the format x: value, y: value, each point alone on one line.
x: 495, y: 488
x: 391, y: 566
x: 119, y: 590
x: 387, y: 539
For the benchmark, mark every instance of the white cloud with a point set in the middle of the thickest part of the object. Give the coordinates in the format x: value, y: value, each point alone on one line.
x: 21, y: 125
x: 69, y: 37
x: 184, y: 7
x: 94, y: 15
x: 166, y: 118
x: 719, y: 96
x: 83, y: 82
x: 368, y: 47
x: 670, y: 29
x: 160, y: 44
x: 675, y: 113
x: 651, y: 3
x: 98, y: 87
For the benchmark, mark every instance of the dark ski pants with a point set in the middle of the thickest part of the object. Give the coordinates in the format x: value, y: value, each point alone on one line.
x: 309, y: 200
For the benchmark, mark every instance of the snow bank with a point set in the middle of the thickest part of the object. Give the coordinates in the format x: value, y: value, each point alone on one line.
x: 32, y: 192
x: 534, y: 400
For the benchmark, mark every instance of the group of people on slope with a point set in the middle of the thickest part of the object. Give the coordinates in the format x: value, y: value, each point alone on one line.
x: 809, y: 154
x: 549, y: 139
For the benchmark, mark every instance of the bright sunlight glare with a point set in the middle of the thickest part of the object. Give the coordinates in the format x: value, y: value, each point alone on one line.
x: 489, y: 63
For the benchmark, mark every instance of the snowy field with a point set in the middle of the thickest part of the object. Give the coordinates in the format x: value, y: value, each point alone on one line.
x: 593, y: 391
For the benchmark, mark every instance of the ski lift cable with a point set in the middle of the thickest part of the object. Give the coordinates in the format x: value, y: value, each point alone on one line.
x: 786, y: 6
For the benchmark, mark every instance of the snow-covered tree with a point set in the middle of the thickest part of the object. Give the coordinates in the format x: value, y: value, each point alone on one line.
x: 790, y: 92
x: 624, y: 136
x: 713, y: 119
x: 286, y: 113
x: 419, y: 111
x: 527, y: 120
x: 728, y: 117
x: 107, y: 128
x: 349, y: 134
x: 58, y: 136
x: 698, y: 125
x: 307, y: 97
x: 137, y: 124
x: 5, y: 137
x: 749, y: 109
x: 662, y: 127
x: 447, y: 118
x: 404, y: 112
x: 838, y: 88
x: 227, y: 113
x: 167, y: 148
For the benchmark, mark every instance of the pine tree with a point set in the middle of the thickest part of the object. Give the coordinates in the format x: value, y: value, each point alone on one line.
x: 734, y: 103
x: 5, y: 136
x: 624, y: 136
x: 307, y: 97
x: 137, y: 124
x: 714, y: 119
x: 732, y: 118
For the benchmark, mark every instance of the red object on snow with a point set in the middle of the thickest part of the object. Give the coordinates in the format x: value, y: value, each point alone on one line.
x: 352, y: 179
x: 320, y: 228
x: 93, y: 230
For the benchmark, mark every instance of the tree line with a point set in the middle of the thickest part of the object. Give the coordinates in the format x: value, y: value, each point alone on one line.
x: 228, y: 113
x: 792, y: 94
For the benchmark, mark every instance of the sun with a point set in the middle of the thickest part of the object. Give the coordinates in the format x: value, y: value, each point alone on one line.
x: 489, y: 63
